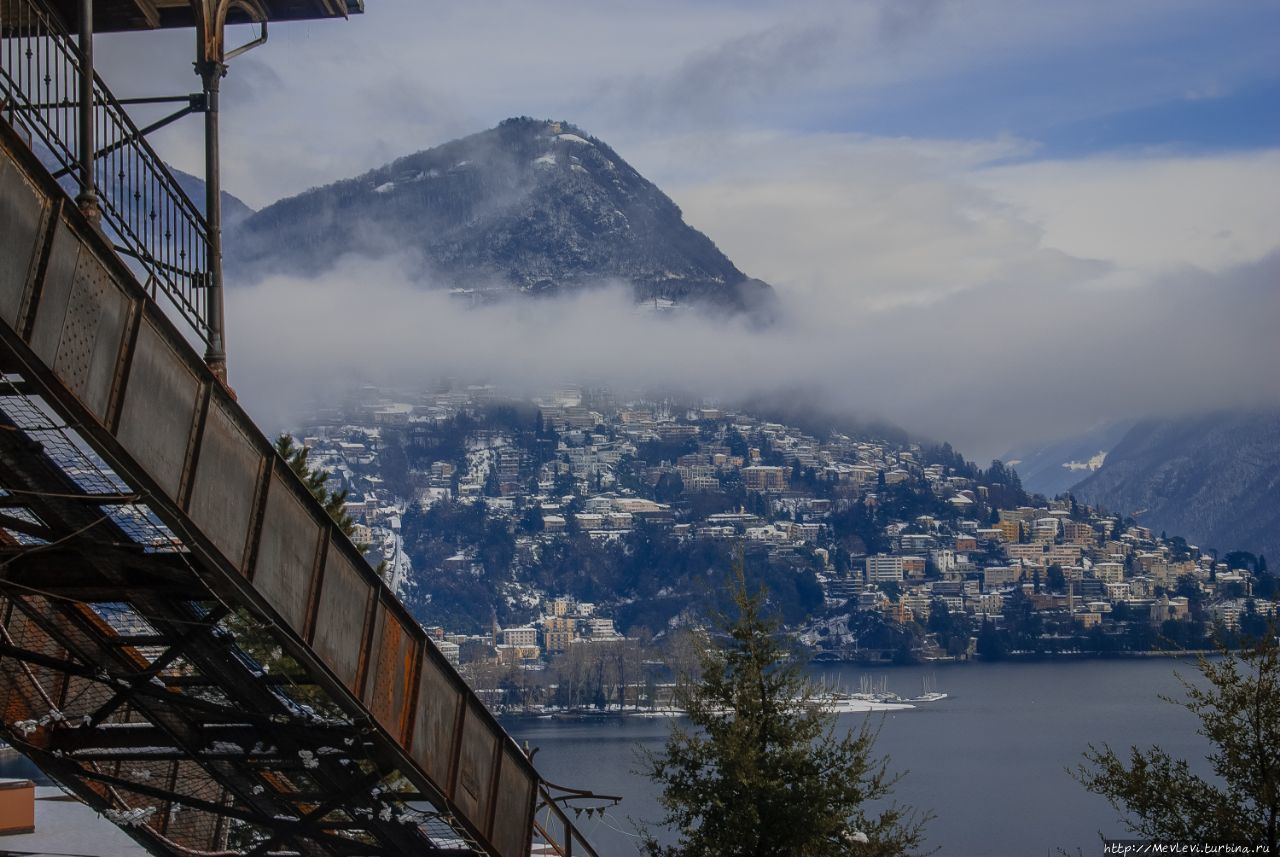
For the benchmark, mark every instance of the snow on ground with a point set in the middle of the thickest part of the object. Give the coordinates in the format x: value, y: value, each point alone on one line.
x: 547, y: 159
x: 64, y: 825
x: 385, y: 188
x: 572, y: 138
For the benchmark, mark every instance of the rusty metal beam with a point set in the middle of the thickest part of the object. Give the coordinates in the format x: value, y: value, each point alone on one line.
x: 114, y: 16
x: 135, y: 735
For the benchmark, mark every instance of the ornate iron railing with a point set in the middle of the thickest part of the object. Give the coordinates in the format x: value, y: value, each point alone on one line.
x: 145, y: 212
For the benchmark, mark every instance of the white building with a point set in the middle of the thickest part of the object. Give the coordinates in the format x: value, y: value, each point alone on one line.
x: 451, y: 651
x: 525, y: 636
x: 599, y: 628
x: 884, y: 569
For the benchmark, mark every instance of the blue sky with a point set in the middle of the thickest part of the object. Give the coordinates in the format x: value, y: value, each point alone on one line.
x: 1067, y: 123
x: 1089, y: 184
x: 1204, y: 80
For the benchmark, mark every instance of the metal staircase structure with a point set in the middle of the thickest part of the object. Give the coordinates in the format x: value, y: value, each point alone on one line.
x: 187, y: 641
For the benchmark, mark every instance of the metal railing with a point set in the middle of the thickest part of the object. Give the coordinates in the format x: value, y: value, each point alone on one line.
x: 145, y: 212
x: 554, y: 835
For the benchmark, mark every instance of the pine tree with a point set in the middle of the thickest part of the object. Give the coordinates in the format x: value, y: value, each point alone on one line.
x: 762, y: 771
x: 492, y: 488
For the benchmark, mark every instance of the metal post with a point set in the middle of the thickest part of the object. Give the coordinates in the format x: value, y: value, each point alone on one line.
x: 88, y: 196
x: 215, y: 355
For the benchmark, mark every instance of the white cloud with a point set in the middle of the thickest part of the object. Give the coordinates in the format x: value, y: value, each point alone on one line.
x: 1154, y: 213
x: 867, y: 222
x: 872, y: 222
x: 986, y: 369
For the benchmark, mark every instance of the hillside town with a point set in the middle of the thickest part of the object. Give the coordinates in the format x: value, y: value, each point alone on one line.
x: 521, y: 530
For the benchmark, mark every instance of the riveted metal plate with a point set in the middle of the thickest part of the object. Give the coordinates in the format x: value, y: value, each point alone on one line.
x: 225, y: 484
x: 475, y: 766
x: 22, y: 210
x: 92, y: 331
x: 391, y: 671
x: 287, y: 552
x: 55, y: 290
x: 515, y: 796
x: 341, y: 611
x: 439, y: 700
x: 160, y: 401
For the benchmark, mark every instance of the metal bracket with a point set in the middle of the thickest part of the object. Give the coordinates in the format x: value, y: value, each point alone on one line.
x: 195, y: 104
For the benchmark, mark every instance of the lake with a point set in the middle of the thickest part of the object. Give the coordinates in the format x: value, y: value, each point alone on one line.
x: 990, y: 760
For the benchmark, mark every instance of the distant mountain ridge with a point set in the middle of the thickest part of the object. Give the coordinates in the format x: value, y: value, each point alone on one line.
x: 234, y: 209
x: 1215, y: 479
x: 529, y: 207
x: 1053, y: 468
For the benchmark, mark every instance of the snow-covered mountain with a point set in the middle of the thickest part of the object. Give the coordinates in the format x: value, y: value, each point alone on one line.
x: 529, y: 207
x: 1213, y: 478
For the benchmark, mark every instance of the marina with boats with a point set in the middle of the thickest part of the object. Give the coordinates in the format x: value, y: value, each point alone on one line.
x: 872, y: 695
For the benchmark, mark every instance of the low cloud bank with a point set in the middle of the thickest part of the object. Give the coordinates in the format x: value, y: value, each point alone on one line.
x: 985, y: 369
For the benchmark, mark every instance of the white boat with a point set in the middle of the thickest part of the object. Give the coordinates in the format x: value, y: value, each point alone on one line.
x: 930, y: 696
x: 929, y: 691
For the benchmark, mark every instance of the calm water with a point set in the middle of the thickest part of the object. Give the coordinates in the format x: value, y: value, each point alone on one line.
x: 990, y: 761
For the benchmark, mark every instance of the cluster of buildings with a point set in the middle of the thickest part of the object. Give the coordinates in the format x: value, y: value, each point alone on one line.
x: 565, y: 622
x: 1066, y: 561
x: 600, y: 467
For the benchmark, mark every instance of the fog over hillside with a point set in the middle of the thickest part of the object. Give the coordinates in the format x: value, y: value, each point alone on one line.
x: 954, y: 370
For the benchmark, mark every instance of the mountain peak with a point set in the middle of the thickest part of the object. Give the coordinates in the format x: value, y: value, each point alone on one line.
x: 527, y: 207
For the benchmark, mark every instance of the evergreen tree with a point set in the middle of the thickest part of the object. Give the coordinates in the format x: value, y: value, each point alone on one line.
x: 669, y: 488
x: 762, y: 772
x: 492, y: 488
x: 1238, y: 705
x: 532, y: 522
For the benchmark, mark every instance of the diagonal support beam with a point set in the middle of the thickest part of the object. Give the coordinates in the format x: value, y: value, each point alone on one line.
x: 21, y: 525
x: 133, y: 138
x: 158, y: 666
